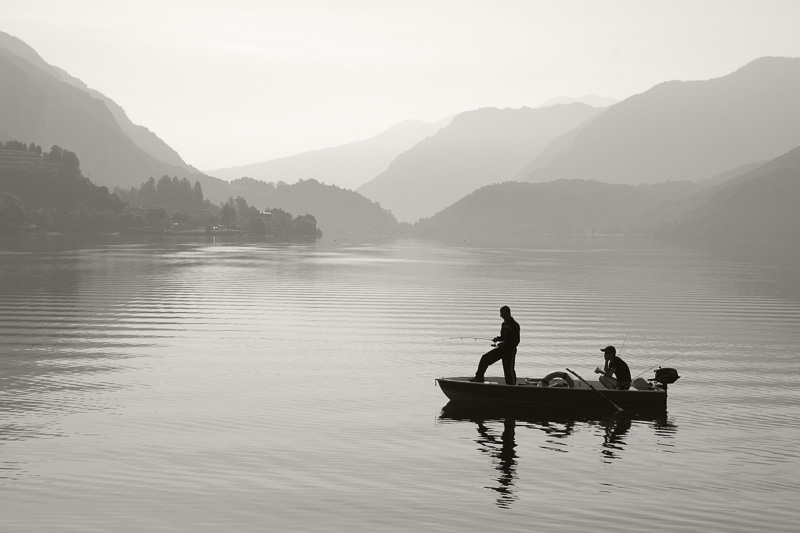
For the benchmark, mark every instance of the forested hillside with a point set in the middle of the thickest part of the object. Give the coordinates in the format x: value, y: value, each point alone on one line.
x: 174, y: 205
x: 760, y: 204
x: 563, y: 207
x: 47, y: 190
x: 45, y: 105
x: 337, y: 210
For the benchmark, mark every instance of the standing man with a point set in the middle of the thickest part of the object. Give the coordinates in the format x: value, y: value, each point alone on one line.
x: 506, y: 349
x: 615, y: 373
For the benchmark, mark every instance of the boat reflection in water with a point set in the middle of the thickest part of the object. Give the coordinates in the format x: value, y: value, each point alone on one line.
x: 502, y: 448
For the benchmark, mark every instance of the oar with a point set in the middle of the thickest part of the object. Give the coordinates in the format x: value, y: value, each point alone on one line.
x: 597, y: 391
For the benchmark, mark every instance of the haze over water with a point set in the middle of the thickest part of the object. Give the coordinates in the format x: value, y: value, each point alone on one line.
x: 254, y: 386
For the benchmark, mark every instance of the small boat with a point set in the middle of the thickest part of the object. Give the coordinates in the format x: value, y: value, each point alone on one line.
x: 559, y: 392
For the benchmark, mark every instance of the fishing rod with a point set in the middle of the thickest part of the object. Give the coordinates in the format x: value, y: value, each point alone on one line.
x: 623, y: 344
x: 469, y: 338
x: 660, y: 363
x: 624, y: 341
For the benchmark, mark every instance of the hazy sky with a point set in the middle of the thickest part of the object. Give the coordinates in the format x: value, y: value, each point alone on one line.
x: 237, y: 81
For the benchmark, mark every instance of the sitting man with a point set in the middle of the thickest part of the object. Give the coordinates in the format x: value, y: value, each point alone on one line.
x: 615, y: 374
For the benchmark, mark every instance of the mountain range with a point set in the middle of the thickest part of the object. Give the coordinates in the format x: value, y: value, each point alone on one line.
x: 589, y: 99
x: 758, y: 202
x: 348, y: 166
x: 477, y: 148
x: 143, y: 137
x: 683, y: 158
x: 337, y: 211
x: 560, y: 207
x: 44, y: 104
x: 685, y: 130
x: 762, y: 203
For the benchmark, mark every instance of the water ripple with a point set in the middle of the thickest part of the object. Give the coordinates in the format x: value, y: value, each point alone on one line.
x: 290, y: 386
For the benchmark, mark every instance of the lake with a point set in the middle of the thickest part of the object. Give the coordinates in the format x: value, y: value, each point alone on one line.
x: 206, y: 385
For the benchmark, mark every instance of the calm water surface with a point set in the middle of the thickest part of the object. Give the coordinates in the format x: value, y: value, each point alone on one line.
x: 212, y: 386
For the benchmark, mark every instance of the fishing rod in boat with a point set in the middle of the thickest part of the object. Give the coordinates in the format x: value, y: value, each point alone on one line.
x: 624, y: 341
x: 660, y: 363
x: 623, y: 344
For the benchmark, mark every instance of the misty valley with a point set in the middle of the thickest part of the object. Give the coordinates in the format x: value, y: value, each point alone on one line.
x: 718, y: 158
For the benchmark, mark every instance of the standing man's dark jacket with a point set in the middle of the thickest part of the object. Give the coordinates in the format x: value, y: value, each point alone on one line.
x: 509, y: 333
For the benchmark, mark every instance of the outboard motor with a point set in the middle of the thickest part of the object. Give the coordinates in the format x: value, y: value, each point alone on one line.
x: 666, y: 376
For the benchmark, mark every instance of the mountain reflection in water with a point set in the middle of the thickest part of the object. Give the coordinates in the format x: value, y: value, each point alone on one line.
x: 501, y: 446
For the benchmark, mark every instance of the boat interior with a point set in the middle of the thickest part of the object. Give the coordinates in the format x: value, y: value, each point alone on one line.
x: 561, y: 380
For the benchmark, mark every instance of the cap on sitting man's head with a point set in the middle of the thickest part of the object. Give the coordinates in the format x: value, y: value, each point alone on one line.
x: 609, y: 349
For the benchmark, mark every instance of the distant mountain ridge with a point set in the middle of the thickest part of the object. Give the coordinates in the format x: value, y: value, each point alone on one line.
x: 477, y: 148
x: 755, y: 201
x: 338, y: 211
x: 561, y: 207
x: 553, y: 150
x: 40, y: 106
x: 142, y: 136
x: 639, y: 166
x: 348, y: 166
x: 759, y: 204
x: 687, y: 130
x: 588, y: 99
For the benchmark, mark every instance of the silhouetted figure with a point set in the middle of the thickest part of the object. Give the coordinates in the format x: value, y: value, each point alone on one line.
x: 504, y: 451
x: 615, y: 373
x: 614, y: 441
x: 506, y: 349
